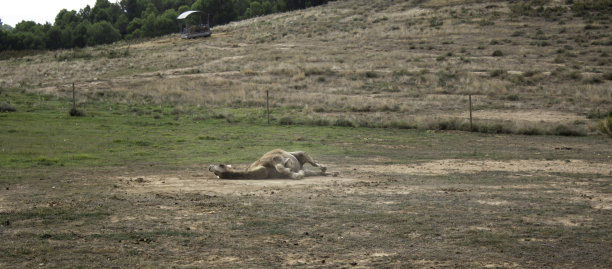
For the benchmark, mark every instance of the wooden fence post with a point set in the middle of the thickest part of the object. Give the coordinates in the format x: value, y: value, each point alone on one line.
x: 471, y: 126
x: 73, y: 97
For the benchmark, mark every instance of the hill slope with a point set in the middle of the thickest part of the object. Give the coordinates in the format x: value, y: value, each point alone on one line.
x: 367, y: 63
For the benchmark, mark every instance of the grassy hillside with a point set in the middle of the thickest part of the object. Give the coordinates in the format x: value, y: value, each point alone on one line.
x: 406, y: 64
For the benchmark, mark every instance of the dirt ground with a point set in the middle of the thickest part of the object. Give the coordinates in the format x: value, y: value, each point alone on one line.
x: 441, y: 213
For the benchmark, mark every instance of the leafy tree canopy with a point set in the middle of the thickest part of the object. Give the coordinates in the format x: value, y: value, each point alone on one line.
x: 108, y: 22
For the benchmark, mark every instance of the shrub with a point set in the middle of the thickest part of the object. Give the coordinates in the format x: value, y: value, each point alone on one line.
x: 493, y: 128
x: 286, y: 121
x: 512, y: 97
x: 344, y: 122
x: 605, y: 126
x: 575, y: 75
x: 594, y: 80
x: 564, y: 130
x: 74, y: 112
x: 530, y: 131
x: 497, y: 53
x: 7, y: 108
x: 597, y: 114
x: 316, y: 122
x: 498, y: 73
x: 371, y: 74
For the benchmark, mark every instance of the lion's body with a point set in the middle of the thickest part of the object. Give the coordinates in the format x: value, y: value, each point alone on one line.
x: 274, y: 164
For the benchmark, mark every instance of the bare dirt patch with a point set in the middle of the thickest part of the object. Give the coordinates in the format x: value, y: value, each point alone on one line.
x: 444, y: 167
x: 526, y: 116
x: 210, y: 185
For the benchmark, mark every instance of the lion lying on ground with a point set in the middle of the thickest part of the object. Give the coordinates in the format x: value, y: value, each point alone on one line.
x: 274, y: 164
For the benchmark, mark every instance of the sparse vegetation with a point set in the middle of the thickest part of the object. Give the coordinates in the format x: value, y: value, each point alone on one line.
x: 404, y: 85
x: 605, y: 126
x: 4, y: 107
x: 75, y: 112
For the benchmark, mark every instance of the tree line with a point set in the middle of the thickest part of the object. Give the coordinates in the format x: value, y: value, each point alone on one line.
x: 108, y: 22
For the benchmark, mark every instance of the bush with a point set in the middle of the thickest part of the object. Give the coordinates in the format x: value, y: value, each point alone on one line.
x: 286, y: 121
x: 575, y: 75
x: 605, y: 126
x: 7, y: 108
x: 498, y: 73
x: 597, y: 114
x: 371, y: 74
x: 102, y: 33
x: 530, y: 131
x: 344, y: 122
x: 567, y: 131
x: 76, y: 112
x: 497, y: 53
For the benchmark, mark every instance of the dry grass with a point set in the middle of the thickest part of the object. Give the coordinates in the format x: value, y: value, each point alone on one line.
x: 393, y: 60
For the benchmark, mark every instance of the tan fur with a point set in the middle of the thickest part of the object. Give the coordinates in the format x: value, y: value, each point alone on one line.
x: 274, y: 164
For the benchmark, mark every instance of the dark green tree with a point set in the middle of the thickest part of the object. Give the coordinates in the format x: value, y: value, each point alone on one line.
x: 102, y: 33
x: 222, y: 11
x: 80, y: 35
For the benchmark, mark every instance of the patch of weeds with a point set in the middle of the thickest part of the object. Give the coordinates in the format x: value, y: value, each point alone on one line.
x: 605, y: 126
x: 541, y: 43
x: 597, y: 114
x: 486, y: 238
x: 436, y: 22
x: 141, y: 143
x: 371, y: 74
x: 52, y: 214
x: 75, y: 112
x: 512, y: 97
x: 486, y: 22
x: 497, y: 53
x: 44, y: 161
x: 575, y: 75
x: 180, y: 110
x: 499, y: 73
x: 530, y: 73
x: 8, y: 54
x: 530, y: 131
x: 493, y: 128
x: 317, y: 122
x: 113, y: 54
x: 445, y: 76
x: 343, y: 122
x: 318, y: 71
x: 18, y: 252
x: 208, y: 137
x: 229, y: 117
x: 75, y: 54
x: 286, y: 121
x: 4, y: 107
x: 377, y: 20
x: 59, y: 236
x: 401, y: 125
x: 537, y: 9
x: 83, y: 156
x: 593, y: 9
x: 565, y: 130
x: 593, y: 80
